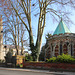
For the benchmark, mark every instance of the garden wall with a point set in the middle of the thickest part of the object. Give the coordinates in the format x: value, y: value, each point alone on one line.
x: 2, y: 64
x: 50, y: 66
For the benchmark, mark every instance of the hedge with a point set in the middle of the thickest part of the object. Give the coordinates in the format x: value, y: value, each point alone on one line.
x: 64, y: 58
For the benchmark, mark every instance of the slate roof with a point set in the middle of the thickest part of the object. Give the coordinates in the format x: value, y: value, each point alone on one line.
x: 61, y: 28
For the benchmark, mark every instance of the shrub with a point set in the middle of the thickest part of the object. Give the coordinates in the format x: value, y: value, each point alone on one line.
x: 21, y: 65
x: 53, y: 59
x: 17, y: 65
x: 64, y: 58
x: 28, y: 58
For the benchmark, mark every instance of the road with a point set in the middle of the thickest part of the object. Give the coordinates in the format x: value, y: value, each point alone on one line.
x: 30, y: 72
x: 12, y: 72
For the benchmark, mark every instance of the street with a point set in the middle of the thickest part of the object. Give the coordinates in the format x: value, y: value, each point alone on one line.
x: 16, y: 71
x: 13, y: 72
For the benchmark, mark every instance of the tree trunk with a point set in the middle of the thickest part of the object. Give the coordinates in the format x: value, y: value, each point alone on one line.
x: 41, y: 26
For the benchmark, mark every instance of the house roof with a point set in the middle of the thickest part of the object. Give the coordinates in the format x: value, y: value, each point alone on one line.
x: 61, y: 28
x: 11, y: 46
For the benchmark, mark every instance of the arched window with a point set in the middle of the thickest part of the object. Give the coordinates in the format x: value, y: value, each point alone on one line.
x: 56, y: 50
x: 65, y: 51
x: 60, y: 49
x: 71, y: 50
x: 74, y: 49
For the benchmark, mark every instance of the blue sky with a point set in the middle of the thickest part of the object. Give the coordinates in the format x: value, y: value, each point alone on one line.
x: 51, y: 25
x: 72, y: 27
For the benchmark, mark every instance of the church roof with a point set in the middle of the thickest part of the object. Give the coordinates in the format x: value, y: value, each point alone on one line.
x: 61, y: 28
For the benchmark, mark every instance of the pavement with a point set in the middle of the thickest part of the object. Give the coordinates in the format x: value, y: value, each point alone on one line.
x: 38, y: 71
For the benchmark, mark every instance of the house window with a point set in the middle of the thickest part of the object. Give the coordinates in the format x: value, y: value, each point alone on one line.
x: 65, y: 51
x: 74, y: 49
x: 56, y: 50
x: 60, y: 49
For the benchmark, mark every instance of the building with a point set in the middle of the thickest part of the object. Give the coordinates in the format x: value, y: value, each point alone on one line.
x: 11, y: 48
x: 62, y: 41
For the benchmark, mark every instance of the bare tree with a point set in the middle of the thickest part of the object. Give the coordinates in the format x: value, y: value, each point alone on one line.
x: 15, y: 31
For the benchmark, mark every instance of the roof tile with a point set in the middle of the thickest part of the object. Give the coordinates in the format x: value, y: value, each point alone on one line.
x: 61, y: 28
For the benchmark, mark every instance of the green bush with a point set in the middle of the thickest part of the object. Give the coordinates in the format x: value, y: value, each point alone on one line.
x: 18, y: 65
x: 28, y: 58
x: 64, y: 58
x: 53, y: 59
x: 21, y: 65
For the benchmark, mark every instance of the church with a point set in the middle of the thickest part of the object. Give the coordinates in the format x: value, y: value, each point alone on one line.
x: 62, y: 41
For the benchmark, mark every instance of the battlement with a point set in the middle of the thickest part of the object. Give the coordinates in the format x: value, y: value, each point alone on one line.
x: 62, y: 35
x: 65, y: 34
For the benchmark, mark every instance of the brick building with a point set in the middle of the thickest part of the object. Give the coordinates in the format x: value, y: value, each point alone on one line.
x: 62, y: 41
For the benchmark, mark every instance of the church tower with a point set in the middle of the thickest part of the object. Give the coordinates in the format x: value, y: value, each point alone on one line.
x: 1, y: 39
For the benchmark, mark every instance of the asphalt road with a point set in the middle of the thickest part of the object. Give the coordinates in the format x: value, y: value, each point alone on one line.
x: 13, y: 72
